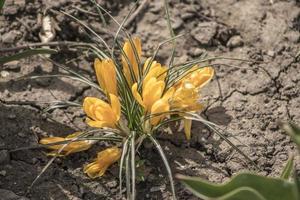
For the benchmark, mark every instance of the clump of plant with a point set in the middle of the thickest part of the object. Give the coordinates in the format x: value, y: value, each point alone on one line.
x: 139, y: 98
x: 250, y: 186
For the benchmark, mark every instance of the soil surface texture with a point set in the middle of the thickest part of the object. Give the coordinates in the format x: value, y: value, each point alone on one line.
x: 247, y: 99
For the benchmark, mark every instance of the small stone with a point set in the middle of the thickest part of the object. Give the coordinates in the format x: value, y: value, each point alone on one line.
x: 205, y: 32
x: 4, y: 74
x: 21, y: 134
x: 271, y: 53
x: 34, y: 160
x: 155, y: 8
x: 197, y: 52
x: 11, y: 116
x: 11, y: 36
x: 177, y: 23
x: 4, y: 157
x: 112, y: 184
x: 235, y: 41
x: 3, y: 173
x: 186, y: 15
x: 283, y: 157
x: 13, y: 65
x: 155, y: 189
x: 273, y: 126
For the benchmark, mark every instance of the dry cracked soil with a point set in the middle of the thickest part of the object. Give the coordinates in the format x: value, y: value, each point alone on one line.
x: 247, y: 99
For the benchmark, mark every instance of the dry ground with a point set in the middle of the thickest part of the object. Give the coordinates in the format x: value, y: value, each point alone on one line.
x: 249, y: 102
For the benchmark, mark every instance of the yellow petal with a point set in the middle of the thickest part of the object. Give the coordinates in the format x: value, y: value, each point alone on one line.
x: 168, y: 95
x: 158, y: 111
x: 92, y: 104
x: 94, y: 170
x: 152, y: 92
x: 98, y: 67
x: 106, y: 75
x: 115, y: 105
x: 104, y: 159
x: 136, y: 94
x: 109, y: 75
x: 129, y: 52
x: 99, y: 124
x: 50, y: 140
x: 68, y: 147
x: 202, y: 76
x: 187, y: 128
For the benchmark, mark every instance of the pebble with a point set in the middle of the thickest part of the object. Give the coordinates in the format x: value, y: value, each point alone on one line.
x: 13, y: 65
x: 197, y: 52
x: 3, y: 173
x: 205, y: 32
x: 157, y: 188
x: 283, y: 157
x: 4, y: 157
x: 11, y: 116
x: 4, y: 74
x: 177, y: 23
x: 11, y: 36
x: 235, y: 41
x: 186, y: 15
x: 112, y: 184
x: 21, y: 134
x: 271, y: 53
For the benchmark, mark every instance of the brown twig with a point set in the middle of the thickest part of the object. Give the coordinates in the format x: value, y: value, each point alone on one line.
x: 40, y: 44
x: 136, y: 13
x: 85, y: 11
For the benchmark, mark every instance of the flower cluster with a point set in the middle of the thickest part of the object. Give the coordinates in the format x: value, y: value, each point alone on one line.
x: 139, y: 97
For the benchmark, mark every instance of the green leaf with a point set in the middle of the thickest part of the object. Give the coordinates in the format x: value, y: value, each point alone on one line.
x: 269, y: 188
x: 25, y: 54
x: 245, y: 193
x: 1, y: 4
x: 287, y: 171
x: 294, y: 132
x: 297, y: 182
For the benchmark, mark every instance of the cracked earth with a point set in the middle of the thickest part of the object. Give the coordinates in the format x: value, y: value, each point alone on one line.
x: 247, y: 99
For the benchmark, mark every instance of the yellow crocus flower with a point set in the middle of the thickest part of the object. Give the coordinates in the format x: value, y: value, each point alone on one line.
x: 186, y: 98
x: 155, y: 70
x: 133, y: 64
x: 106, y: 75
x: 152, y: 91
x: 199, y: 77
x: 71, y: 147
x: 101, y: 114
x: 104, y: 159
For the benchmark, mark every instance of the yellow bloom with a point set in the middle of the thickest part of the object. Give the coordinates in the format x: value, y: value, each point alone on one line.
x: 101, y: 114
x: 106, y: 75
x: 131, y: 58
x: 186, y: 98
x: 155, y: 70
x: 104, y: 159
x: 71, y: 147
x: 152, y: 91
x: 159, y: 110
x: 201, y: 76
